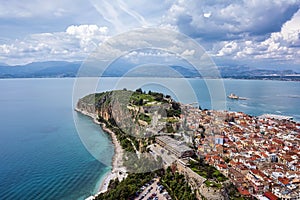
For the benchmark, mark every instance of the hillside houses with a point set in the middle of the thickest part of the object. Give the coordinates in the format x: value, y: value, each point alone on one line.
x: 262, y: 154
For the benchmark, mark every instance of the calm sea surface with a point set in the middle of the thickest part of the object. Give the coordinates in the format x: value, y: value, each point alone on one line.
x: 42, y: 155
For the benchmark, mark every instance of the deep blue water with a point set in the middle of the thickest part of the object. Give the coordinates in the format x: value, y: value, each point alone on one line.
x: 41, y: 151
x: 263, y: 96
x: 41, y: 155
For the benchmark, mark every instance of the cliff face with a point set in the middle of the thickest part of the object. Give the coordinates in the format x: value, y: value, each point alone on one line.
x: 86, y: 107
x: 135, y: 113
x: 113, y: 108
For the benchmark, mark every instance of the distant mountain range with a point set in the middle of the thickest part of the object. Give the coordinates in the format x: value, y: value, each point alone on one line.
x: 59, y: 69
x: 250, y: 73
x: 40, y: 70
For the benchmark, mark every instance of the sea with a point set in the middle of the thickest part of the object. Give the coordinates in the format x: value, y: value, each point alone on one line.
x: 49, y: 151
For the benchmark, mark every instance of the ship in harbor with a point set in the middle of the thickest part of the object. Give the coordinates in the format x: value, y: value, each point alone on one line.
x: 235, y: 97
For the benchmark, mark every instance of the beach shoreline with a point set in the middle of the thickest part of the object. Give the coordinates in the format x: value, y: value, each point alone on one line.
x: 118, y: 170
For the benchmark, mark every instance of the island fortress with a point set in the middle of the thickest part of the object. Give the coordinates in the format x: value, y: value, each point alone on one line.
x: 221, y: 154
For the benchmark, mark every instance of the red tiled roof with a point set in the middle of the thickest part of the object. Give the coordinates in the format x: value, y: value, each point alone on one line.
x: 271, y: 196
x: 216, y: 157
x: 264, y: 155
x: 278, y: 141
x: 255, y: 157
x: 243, y: 191
x: 258, y: 172
x: 284, y: 180
x: 222, y: 166
x: 232, y: 163
x: 254, y: 171
x: 272, y: 150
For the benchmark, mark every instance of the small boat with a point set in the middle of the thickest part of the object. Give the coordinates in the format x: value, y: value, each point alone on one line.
x: 233, y: 96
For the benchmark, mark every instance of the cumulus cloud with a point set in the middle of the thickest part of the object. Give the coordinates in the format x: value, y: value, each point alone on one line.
x: 228, y: 49
x: 240, y: 31
x: 151, y: 56
x: 188, y: 52
x: 88, y: 34
x: 79, y: 42
x: 73, y: 44
x: 281, y: 45
x: 225, y: 20
x: 149, y: 53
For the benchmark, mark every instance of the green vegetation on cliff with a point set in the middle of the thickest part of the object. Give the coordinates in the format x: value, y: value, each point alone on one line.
x: 144, y: 117
x: 130, y: 113
x: 214, y: 176
x: 177, y: 186
x: 174, y: 183
x: 123, y: 138
x: 127, y: 188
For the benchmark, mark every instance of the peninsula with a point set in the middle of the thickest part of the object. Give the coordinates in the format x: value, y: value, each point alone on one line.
x: 169, y: 150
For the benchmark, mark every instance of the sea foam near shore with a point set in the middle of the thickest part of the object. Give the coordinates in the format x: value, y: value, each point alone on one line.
x: 118, y: 170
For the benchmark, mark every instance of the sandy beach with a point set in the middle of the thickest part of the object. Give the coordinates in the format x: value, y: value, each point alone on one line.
x: 118, y: 170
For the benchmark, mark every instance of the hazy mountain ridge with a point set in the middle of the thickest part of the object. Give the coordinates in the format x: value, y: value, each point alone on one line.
x: 57, y: 69
x: 40, y: 70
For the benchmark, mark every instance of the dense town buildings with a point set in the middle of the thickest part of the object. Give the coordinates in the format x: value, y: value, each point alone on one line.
x: 260, y: 155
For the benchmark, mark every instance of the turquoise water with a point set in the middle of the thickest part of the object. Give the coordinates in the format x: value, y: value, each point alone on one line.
x: 42, y: 156
x: 41, y: 153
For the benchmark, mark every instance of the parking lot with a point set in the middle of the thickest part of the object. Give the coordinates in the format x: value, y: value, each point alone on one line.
x: 153, y: 191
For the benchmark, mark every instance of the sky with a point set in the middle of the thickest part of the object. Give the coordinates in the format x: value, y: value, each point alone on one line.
x: 250, y: 33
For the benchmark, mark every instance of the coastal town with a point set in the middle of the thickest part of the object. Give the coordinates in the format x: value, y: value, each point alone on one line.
x: 260, y: 155
x: 220, y: 154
